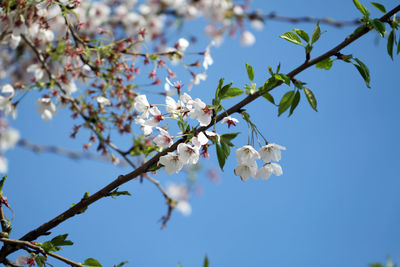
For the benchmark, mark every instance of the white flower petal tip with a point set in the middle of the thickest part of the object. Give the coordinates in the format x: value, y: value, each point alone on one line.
x: 271, y: 152
x: 268, y: 169
x: 171, y: 163
x: 247, y: 39
x: 247, y: 155
x: 245, y: 171
x: 188, y: 154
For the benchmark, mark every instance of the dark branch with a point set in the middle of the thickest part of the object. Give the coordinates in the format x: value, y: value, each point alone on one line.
x: 122, y: 179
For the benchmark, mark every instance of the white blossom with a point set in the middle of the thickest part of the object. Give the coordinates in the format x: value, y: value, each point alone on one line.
x: 188, y: 154
x: 257, y: 24
x: 172, y: 163
x: 8, y: 138
x: 181, y: 194
x: 157, y: 117
x: 172, y: 106
x: 103, y: 101
x: 196, y: 80
x: 46, y: 108
x: 69, y: 87
x: 14, y: 41
x: 142, y: 105
x: 230, y: 121
x: 3, y: 164
x: 200, y: 140
x: 201, y: 112
x: 98, y: 13
x: 21, y: 260
x: 213, y: 136
x: 245, y: 170
x: 268, y: 169
x: 182, y: 44
x: 247, y: 38
x: 247, y: 155
x: 271, y: 152
x: 6, y: 94
x: 37, y: 71
x: 147, y: 130
x: 184, y: 207
x: 45, y: 35
x: 168, y: 90
x: 163, y: 139
x: 208, y: 60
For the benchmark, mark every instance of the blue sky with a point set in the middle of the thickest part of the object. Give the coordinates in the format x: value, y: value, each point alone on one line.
x: 337, y: 203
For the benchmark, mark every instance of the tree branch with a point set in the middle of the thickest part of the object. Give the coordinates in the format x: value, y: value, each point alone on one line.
x: 122, y: 179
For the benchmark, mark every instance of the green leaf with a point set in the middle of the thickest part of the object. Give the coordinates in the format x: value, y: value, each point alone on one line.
x: 220, y: 83
x: 316, y: 33
x: 360, y: 7
x: 225, y: 147
x: 40, y: 260
x: 250, y: 72
x: 358, y: 29
x: 303, y: 35
x: 390, y: 43
x: 120, y: 193
x: 60, y: 240
x: 286, y: 102
x: 221, y: 156
x: 282, y: 77
x: 378, y: 6
x: 278, y: 68
x: 232, y: 92
x: 311, y: 98
x: 309, y: 48
x: 48, y: 246
x: 398, y: 46
x: 92, y: 263
x: 2, y: 182
x: 379, y: 27
x: 363, y: 70
x: 269, y: 97
x: 206, y: 262
x: 295, y: 102
x: 325, y: 64
x: 269, y: 84
x: 270, y: 71
x: 122, y: 264
x: 155, y: 167
x: 86, y: 195
x: 292, y: 37
x: 224, y: 89
x: 229, y: 136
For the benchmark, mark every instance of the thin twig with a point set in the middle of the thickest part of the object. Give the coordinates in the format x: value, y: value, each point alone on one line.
x: 168, y: 200
x: 328, y: 21
x: 40, y: 250
x: 256, y: 15
x: 3, y: 221
x: 64, y: 152
x: 73, y: 101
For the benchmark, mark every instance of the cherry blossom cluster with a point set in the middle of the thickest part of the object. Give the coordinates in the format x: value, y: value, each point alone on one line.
x: 69, y: 45
x: 247, y: 156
